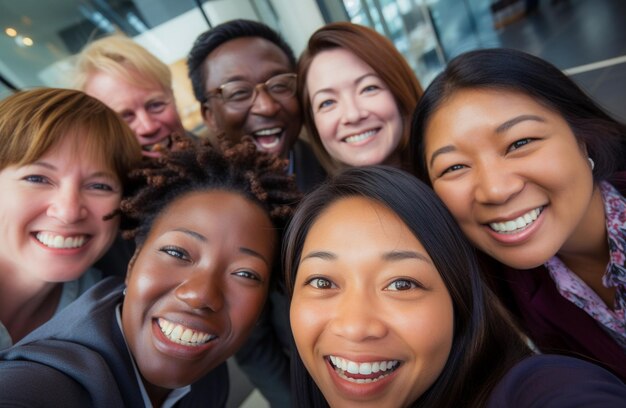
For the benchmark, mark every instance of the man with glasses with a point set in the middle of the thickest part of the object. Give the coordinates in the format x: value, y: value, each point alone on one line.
x: 243, y: 75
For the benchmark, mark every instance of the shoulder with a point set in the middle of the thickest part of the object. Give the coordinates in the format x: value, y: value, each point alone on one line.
x: 44, y: 385
x: 557, y: 381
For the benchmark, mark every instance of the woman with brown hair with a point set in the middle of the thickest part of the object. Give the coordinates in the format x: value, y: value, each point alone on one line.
x: 357, y: 93
x: 64, y: 157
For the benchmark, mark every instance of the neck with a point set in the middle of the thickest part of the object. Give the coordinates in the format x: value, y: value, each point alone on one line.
x: 586, y: 253
x: 156, y: 394
x: 24, y: 305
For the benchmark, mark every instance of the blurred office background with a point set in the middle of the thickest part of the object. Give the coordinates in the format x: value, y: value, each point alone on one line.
x: 584, y: 38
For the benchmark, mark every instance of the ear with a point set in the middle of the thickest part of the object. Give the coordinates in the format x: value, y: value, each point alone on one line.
x: 583, y: 149
x: 131, y: 263
x: 208, y: 115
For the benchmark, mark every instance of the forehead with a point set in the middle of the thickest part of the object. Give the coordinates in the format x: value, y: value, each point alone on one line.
x: 474, y: 107
x: 219, y: 214
x: 119, y: 93
x: 358, y: 222
x: 248, y: 58
x: 77, y: 145
x: 336, y: 66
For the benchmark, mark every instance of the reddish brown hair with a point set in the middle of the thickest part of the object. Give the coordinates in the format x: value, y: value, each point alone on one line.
x: 379, y: 53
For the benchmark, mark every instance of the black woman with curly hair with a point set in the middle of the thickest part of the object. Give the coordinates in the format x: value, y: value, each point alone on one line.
x: 206, y: 223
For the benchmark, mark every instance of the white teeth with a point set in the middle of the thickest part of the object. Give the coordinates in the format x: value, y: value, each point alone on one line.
x: 159, y: 146
x: 516, y: 224
x: 58, y: 241
x: 268, y: 132
x: 360, y: 136
x: 265, y: 142
x: 344, y: 367
x: 183, y: 335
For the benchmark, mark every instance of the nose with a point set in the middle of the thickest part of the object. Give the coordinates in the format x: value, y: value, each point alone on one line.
x: 263, y: 104
x: 352, y: 112
x: 497, y: 184
x: 356, y: 319
x: 145, y: 125
x: 201, y: 291
x: 67, y: 205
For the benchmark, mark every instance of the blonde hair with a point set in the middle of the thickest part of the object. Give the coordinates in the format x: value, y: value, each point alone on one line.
x: 35, y: 121
x: 123, y: 58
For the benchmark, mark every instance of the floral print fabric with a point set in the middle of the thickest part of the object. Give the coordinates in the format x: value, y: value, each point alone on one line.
x: 571, y: 287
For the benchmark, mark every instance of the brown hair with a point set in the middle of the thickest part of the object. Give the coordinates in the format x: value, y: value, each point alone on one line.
x: 379, y: 53
x: 32, y: 122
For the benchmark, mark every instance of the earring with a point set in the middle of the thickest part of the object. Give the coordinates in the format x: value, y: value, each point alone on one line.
x: 591, y: 163
x: 124, y: 292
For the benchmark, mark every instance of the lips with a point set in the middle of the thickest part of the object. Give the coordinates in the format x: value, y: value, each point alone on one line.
x: 518, y: 224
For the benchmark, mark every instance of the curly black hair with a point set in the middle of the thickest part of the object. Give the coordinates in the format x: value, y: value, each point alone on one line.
x: 198, y: 166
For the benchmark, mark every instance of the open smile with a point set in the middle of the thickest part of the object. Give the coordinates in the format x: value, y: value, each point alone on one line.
x: 518, y: 224
x: 268, y: 138
x: 180, y: 334
x: 57, y: 241
x: 164, y: 144
x: 359, y: 137
x: 363, y: 373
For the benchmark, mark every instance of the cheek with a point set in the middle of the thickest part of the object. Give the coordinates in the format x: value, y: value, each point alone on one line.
x: 230, y: 121
x: 325, y: 123
x: 307, y: 318
x: 455, y: 199
x: 247, y: 308
x: 292, y: 109
x: 170, y: 118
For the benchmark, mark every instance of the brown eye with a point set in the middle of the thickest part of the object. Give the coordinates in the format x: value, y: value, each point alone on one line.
x: 402, y: 284
x: 320, y: 283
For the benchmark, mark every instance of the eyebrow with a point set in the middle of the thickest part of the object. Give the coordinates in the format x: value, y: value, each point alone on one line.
x: 192, y: 234
x: 49, y: 166
x: 325, y: 255
x: 356, y: 81
x: 202, y: 238
x: 500, y: 129
x: 512, y: 122
x: 402, y: 255
x: 387, y: 256
x: 254, y: 253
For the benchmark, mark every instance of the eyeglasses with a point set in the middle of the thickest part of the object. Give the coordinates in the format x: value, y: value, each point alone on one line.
x: 240, y: 95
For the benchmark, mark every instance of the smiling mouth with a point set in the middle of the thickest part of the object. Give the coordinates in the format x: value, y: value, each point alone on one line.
x: 179, y: 334
x: 518, y: 224
x: 363, y: 373
x: 59, y: 241
x: 158, y: 147
x: 361, y: 136
x: 268, y: 138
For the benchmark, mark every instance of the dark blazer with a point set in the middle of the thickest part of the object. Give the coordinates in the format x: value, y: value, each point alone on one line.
x: 557, y: 382
x: 308, y: 171
x: 79, y: 359
x: 554, y: 323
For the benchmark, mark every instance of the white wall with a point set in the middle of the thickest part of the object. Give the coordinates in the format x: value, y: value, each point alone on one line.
x: 299, y: 19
